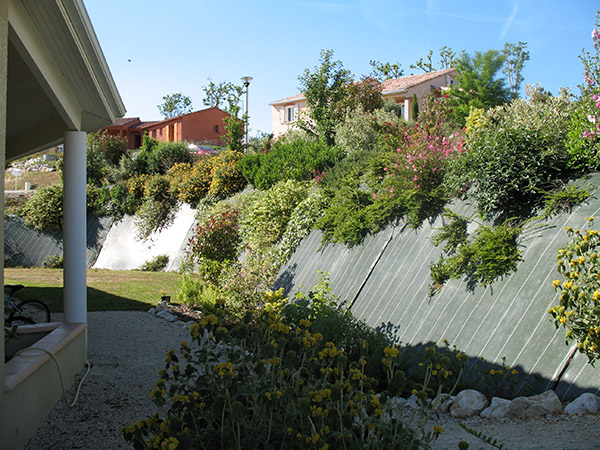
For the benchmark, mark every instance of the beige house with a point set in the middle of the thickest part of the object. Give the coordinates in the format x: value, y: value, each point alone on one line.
x: 55, y: 88
x: 286, y: 111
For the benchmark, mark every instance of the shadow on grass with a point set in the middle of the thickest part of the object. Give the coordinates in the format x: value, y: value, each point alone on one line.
x: 97, y: 300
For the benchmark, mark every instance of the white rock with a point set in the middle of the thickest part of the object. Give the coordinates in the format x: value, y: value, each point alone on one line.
x: 584, y: 404
x: 468, y: 403
x: 166, y: 315
x: 162, y: 306
x: 445, y: 403
x: 498, y: 408
x: 411, y: 402
x: 152, y: 311
x: 536, y: 406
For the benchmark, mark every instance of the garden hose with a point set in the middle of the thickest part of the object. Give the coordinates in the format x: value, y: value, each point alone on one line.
x: 60, y: 376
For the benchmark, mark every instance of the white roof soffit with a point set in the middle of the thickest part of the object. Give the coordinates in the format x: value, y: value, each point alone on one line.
x: 56, y: 40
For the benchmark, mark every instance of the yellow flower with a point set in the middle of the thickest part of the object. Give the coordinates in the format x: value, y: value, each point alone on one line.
x: 305, y: 323
x: 556, y: 283
x: 596, y: 295
x: 391, y: 351
x: 438, y: 429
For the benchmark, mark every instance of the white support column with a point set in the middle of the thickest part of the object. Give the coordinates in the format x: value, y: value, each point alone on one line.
x: 75, y: 229
x: 407, y: 109
x: 3, y: 88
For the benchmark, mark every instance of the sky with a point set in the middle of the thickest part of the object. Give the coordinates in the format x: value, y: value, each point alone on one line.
x: 157, y: 47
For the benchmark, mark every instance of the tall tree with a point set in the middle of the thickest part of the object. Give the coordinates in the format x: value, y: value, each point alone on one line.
x: 326, y: 90
x: 224, y: 95
x: 447, y: 60
x: 478, y: 84
x: 515, y: 56
x: 175, y: 105
x: 386, y: 71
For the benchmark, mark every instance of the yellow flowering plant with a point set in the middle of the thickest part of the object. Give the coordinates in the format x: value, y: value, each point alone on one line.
x: 578, y: 308
x: 267, y: 383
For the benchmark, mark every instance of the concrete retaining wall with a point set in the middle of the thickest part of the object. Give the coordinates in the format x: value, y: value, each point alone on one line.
x: 386, y: 282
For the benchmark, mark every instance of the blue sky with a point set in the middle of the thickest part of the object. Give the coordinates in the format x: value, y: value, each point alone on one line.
x: 157, y: 47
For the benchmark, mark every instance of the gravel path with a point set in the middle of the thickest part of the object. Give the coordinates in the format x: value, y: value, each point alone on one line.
x: 127, y: 350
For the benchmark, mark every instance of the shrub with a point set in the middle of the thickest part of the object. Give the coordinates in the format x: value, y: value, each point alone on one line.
x: 226, y: 177
x: 217, y: 238
x: 158, y: 157
x: 156, y: 264
x: 265, y: 384
x: 44, y: 210
x: 289, y: 159
x: 193, y: 291
x: 514, y: 155
x: 266, y: 220
x: 301, y: 223
x: 564, y: 198
x: 54, y: 262
x: 104, y: 152
x: 492, y: 254
x: 579, y: 290
x: 158, y: 208
x: 245, y: 279
x: 583, y: 141
x: 192, y: 183
x: 583, y: 147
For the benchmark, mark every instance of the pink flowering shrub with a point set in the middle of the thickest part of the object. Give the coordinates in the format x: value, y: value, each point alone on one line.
x: 584, y: 136
x: 421, y: 164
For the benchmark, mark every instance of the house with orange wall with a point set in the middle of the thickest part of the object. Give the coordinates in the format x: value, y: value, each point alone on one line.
x: 205, y: 126
x: 285, y: 112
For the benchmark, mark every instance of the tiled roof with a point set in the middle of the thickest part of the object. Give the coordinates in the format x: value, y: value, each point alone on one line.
x: 124, y: 121
x: 398, y: 84
x: 147, y: 124
x: 288, y: 99
x: 395, y: 84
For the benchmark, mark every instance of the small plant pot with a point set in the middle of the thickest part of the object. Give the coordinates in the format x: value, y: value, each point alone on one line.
x: 166, y: 298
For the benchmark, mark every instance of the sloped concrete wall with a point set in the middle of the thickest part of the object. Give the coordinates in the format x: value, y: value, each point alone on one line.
x: 24, y: 246
x: 386, y: 281
x: 122, y: 250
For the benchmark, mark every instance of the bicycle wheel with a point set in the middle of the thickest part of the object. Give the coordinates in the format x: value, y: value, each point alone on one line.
x: 35, y: 310
x: 17, y: 319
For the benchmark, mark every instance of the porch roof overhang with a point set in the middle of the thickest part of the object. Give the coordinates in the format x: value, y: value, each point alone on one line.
x: 58, y: 79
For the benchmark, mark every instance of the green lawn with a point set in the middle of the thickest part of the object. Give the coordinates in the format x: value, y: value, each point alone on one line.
x: 107, y: 289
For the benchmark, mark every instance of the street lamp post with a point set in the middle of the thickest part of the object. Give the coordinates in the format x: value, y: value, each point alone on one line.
x: 246, y: 81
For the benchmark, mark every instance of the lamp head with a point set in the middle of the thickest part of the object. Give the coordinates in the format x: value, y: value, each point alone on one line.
x: 246, y: 81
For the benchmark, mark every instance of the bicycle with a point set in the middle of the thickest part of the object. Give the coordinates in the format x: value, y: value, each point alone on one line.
x: 23, y: 312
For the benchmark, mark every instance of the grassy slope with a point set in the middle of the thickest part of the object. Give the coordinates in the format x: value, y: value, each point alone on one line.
x: 107, y: 289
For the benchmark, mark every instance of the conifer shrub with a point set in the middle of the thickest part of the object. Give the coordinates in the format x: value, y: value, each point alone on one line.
x: 289, y: 159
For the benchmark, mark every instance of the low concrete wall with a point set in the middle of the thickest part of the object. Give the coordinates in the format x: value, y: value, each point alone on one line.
x: 386, y: 282
x: 32, y: 385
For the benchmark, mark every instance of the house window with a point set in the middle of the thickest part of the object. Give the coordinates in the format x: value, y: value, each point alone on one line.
x: 154, y: 134
x: 216, y: 129
x: 290, y: 114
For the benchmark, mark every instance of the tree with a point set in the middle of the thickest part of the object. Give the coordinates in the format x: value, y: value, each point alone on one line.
x: 515, y: 56
x: 326, y: 90
x: 225, y: 93
x: 478, y: 85
x: 175, y: 105
x: 386, y: 71
x: 446, y: 61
